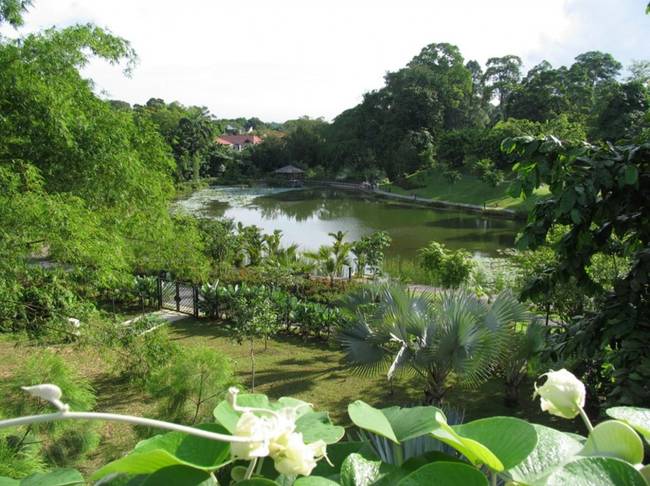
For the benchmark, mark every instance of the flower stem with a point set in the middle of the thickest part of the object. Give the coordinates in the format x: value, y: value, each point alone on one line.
x: 250, y: 469
x: 129, y: 419
x: 586, y: 420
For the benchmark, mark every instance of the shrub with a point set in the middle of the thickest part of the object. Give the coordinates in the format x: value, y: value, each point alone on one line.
x: 65, y: 442
x: 191, y: 384
x: 448, y: 268
x: 139, y: 356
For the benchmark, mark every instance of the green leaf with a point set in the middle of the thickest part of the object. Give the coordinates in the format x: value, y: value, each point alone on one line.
x: 172, y: 449
x: 4, y: 481
x: 476, y: 452
x: 631, y: 175
x: 314, y: 481
x: 638, y: 418
x: 576, y: 217
x: 317, y: 425
x: 510, y: 439
x: 445, y: 474
x: 413, y: 464
x: 409, y: 423
x: 139, y: 463
x: 226, y: 416
x: 369, y: 418
x: 257, y: 482
x: 589, y: 471
x: 359, y: 471
x: 337, y: 453
x: 59, y: 477
x: 553, y: 448
x: 187, y: 476
x: 614, y: 439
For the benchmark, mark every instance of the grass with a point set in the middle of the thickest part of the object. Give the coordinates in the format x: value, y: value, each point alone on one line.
x: 312, y: 371
x: 430, y: 183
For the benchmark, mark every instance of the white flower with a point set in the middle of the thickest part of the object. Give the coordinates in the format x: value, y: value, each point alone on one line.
x: 259, y: 429
x: 562, y: 394
x: 48, y: 392
x: 292, y: 456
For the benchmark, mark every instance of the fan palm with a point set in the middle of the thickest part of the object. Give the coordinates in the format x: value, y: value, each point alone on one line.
x: 433, y: 336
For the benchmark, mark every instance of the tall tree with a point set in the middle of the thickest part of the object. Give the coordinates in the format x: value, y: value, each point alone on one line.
x: 501, y: 77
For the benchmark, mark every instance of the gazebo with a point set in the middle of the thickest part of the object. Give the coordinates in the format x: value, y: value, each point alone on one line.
x: 292, y: 173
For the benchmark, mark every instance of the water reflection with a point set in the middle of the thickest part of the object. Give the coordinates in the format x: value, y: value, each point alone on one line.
x: 305, y: 217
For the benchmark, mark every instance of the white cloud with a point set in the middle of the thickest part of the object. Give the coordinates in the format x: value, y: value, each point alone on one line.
x: 283, y: 59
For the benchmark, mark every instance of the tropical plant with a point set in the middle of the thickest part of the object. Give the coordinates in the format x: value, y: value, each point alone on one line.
x: 433, y: 336
x: 527, y: 342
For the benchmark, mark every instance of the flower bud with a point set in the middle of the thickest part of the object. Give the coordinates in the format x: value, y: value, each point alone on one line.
x: 48, y: 392
x: 562, y: 394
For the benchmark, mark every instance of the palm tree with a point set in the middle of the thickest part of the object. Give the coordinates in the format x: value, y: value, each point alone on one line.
x: 432, y: 335
x: 524, y: 345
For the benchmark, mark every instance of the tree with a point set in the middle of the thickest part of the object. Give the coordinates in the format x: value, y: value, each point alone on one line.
x: 639, y: 71
x: 622, y: 112
x: 601, y: 195
x: 433, y: 336
x: 192, y: 137
x: 501, y: 77
x: 11, y: 11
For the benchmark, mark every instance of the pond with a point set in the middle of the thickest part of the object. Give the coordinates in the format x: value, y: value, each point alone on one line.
x: 306, y: 216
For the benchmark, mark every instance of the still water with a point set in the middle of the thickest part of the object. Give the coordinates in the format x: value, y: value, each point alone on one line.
x: 306, y: 216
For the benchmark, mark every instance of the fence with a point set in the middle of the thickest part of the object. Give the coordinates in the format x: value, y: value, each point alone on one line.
x: 178, y: 296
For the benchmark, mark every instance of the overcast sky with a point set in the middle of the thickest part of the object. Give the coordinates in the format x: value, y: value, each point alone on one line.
x: 282, y: 59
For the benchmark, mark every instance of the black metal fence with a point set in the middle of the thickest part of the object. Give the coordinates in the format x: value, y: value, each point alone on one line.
x: 178, y: 296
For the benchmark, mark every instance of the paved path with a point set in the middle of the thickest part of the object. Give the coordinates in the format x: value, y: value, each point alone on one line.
x: 168, y: 316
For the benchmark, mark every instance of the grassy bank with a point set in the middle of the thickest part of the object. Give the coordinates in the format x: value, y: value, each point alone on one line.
x: 470, y: 189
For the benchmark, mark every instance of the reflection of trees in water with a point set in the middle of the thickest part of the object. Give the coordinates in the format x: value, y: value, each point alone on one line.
x: 465, y: 222
x: 304, y: 209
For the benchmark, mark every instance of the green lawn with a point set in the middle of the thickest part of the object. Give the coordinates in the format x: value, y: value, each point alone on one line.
x: 469, y: 190
x: 312, y: 371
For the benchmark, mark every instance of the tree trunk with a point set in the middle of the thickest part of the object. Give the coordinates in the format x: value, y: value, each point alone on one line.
x: 252, y: 354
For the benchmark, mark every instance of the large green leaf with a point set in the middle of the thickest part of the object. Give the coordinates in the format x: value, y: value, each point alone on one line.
x: 510, y: 439
x: 553, y: 448
x: 409, y: 423
x: 476, y: 452
x: 590, y: 471
x: 227, y: 417
x: 314, y: 481
x: 359, y: 471
x: 171, y: 449
x: 413, y: 465
x: 187, y: 476
x: 638, y: 418
x: 614, y: 439
x: 4, y: 481
x: 317, y: 425
x: 59, y: 477
x: 445, y: 474
x: 369, y: 418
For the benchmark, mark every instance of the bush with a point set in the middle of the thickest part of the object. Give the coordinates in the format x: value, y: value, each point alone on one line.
x: 65, y: 442
x: 448, y: 268
x: 139, y: 356
x: 191, y: 384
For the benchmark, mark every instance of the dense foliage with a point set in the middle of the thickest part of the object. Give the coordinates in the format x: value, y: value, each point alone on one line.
x: 601, y: 195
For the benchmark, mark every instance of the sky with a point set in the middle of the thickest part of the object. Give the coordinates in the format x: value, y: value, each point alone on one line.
x: 283, y: 59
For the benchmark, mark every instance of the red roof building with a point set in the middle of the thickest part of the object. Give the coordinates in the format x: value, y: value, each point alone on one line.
x: 238, y: 142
